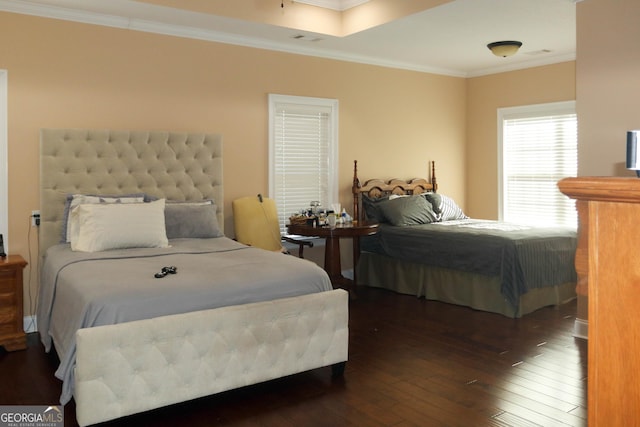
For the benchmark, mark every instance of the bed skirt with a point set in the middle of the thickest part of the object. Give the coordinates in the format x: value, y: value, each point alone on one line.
x: 137, y: 366
x: 455, y: 287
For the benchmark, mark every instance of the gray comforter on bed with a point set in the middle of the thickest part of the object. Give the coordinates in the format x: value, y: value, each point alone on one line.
x: 82, y: 290
x: 523, y: 257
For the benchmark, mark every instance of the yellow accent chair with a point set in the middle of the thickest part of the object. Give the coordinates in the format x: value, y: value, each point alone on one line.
x: 256, y: 224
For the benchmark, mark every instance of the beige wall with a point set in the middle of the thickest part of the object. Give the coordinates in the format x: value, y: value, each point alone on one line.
x: 485, y: 95
x: 65, y: 74
x: 608, y: 88
x: 608, y: 79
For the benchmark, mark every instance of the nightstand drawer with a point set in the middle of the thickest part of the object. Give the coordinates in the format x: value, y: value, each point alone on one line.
x: 8, y: 299
x: 12, y: 336
x: 7, y: 321
x: 8, y: 280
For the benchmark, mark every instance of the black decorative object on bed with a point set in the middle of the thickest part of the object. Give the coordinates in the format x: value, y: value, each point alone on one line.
x: 427, y: 246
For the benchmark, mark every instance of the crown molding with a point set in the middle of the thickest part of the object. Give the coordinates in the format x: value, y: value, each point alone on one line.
x: 28, y: 8
x: 539, y: 62
x: 54, y: 12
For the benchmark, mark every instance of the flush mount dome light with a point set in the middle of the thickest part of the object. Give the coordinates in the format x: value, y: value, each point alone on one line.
x: 504, y: 48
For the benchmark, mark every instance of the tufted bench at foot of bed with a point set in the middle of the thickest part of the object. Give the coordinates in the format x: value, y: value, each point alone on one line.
x: 138, y: 366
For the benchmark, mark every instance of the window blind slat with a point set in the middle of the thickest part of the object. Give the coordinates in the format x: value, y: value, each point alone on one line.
x: 302, y: 147
x: 538, y: 151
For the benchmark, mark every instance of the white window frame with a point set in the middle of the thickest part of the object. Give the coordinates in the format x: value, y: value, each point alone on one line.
x: 307, y: 102
x: 4, y: 161
x: 509, y: 113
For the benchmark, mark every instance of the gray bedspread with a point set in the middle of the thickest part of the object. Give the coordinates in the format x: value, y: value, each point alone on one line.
x: 524, y: 257
x: 82, y: 290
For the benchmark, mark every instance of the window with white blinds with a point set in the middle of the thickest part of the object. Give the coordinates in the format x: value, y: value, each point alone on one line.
x: 539, y: 147
x: 303, y: 146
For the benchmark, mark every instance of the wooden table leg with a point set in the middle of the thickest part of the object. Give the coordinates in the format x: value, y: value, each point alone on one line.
x: 333, y: 267
x: 332, y: 260
x: 356, y: 257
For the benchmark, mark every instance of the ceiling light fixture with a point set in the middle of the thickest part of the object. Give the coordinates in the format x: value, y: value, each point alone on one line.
x: 504, y: 48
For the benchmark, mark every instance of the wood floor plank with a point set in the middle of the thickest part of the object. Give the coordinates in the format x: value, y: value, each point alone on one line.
x: 412, y: 362
x: 529, y: 408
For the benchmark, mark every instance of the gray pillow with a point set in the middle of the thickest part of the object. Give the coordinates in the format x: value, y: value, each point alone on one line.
x: 371, y: 207
x: 191, y: 220
x: 410, y: 210
x: 445, y: 207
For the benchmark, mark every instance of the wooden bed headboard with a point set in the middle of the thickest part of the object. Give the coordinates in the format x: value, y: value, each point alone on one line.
x: 378, y: 188
x: 176, y: 166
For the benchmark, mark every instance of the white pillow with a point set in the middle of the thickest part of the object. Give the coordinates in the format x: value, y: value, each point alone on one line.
x: 100, y: 227
x: 74, y: 200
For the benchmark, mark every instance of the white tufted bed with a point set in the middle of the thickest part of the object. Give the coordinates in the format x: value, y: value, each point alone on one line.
x: 133, y: 366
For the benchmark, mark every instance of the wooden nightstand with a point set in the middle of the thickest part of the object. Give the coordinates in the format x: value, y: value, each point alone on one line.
x: 12, y: 335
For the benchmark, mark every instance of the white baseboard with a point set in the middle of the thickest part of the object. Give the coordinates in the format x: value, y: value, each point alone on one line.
x: 30, y: 324
x: 581, y: 328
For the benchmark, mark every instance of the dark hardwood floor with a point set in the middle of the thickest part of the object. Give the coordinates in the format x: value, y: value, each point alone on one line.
x: 411, y: 363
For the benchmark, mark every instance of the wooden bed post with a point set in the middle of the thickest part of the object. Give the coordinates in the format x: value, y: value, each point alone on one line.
x: 434, y: 181
x: 356, y: 193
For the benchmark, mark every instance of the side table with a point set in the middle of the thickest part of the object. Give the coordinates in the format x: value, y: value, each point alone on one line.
x: 12, y: 335
x: 332, y: 236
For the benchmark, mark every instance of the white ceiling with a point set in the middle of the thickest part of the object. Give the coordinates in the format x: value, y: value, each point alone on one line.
x: 449, y: 39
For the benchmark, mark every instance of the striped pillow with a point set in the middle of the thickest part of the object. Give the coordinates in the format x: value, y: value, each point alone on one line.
x: 445, y: 207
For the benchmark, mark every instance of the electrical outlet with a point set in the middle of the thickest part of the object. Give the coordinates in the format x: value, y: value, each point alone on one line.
x: 35, y: 218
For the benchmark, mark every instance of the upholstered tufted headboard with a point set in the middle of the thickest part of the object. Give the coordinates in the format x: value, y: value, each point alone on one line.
x: 177, y: 166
